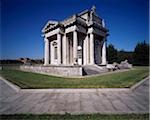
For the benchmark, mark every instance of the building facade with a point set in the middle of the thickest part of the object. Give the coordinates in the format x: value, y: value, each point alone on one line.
x: 78, y: 40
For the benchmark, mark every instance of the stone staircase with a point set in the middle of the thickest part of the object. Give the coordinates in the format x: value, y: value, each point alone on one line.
x: 94, y: 69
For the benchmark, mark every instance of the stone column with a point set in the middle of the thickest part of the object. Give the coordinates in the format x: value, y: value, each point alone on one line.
x: 67, y: 50
x: 104, y: 62
x: 46, y: 54
x: 91, y: 48
x: 75, y: 44
x: 64, y: 50
x: 88, y: 50
x: 59, y: 48
x: 85, y: 50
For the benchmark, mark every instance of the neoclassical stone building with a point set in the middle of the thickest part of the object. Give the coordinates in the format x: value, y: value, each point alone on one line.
x: 78, y: 40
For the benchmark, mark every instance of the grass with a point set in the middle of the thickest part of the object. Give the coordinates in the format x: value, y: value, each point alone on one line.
x: 76, y: 117
x: 115, y: 80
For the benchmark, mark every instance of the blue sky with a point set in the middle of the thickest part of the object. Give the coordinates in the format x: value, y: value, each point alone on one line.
x: 23, y: 20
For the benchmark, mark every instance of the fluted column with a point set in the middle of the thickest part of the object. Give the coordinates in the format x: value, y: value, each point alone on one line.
x: 91, y: 48
x: 75, y: 43
x: 85, y: 50
x: 104, y: 62
x: 64, y: 50
x: 59, y: 48
x: 46, y: 52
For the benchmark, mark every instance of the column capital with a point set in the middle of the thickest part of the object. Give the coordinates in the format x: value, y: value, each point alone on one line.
x: 90, y: 30
x: 59, y: 33
x: 104, y: 39
x: 75, y: 30
x: 46, y: 39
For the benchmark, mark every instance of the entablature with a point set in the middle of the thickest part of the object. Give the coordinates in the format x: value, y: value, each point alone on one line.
x: 55, y: 31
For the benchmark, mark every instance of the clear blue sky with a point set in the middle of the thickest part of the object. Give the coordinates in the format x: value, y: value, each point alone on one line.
x: 23, y: 20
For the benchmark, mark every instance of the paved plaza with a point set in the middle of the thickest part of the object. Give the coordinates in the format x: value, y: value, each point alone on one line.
x: 75, y: 101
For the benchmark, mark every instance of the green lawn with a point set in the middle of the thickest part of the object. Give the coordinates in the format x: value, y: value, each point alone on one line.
x: 115, y: 80
x: 77, y: 117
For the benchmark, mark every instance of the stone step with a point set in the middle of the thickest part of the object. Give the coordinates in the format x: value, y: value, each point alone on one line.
x: 93, y: 69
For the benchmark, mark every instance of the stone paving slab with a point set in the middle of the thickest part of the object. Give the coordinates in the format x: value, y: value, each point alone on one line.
x: 75, y: 101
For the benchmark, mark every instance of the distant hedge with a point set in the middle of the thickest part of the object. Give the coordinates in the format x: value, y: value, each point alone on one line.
x: 140, y: 55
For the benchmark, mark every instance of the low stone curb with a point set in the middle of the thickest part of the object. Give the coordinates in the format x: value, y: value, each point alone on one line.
x: 13, y: 86
x: 72, y: 90
x: 139, y: 83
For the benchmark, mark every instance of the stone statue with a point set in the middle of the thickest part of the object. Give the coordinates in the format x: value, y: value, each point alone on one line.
x: 93, y: 9
x: 103, y: 22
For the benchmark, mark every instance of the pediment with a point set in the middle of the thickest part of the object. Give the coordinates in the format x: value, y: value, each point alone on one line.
x: 49, y: 24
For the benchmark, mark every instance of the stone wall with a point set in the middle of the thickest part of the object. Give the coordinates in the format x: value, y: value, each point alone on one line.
x: 54, y: 70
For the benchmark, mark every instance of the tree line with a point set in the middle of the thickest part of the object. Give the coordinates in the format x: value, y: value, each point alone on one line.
x: 140, y: 55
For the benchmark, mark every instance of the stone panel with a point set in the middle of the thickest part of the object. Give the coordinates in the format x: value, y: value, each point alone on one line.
x: 54, y: 70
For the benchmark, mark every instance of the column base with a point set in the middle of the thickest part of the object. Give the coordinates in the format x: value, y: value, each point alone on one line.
x: 103, y: 64
x: 91, y: 64
x: 45, y: 64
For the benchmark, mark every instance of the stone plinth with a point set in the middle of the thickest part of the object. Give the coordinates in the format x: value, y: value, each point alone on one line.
x: 54, y: 70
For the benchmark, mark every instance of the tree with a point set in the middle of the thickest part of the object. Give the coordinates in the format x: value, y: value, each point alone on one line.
x: 111, y: 54
x: 141, y: 54
x: 124, y: 55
